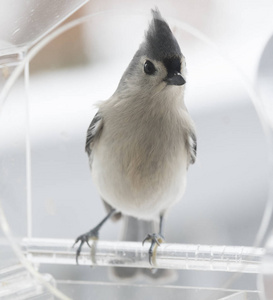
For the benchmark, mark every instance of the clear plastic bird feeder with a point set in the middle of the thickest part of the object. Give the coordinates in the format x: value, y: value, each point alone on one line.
x: 46, y: 194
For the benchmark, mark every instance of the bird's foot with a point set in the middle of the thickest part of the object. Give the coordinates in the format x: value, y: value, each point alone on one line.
x: 93, y: 234
x: 156, y: 239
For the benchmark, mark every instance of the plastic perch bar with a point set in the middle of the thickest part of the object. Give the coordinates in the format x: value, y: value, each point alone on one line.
x: 133, y: 254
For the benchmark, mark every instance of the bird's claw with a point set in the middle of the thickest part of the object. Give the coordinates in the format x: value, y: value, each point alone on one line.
x: 156, y: 239
x: 84, y: 238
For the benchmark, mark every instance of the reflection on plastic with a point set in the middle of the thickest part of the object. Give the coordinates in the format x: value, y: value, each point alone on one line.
x: 133, y: 254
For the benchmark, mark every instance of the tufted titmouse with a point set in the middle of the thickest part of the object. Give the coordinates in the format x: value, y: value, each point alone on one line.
x: 142, y: 140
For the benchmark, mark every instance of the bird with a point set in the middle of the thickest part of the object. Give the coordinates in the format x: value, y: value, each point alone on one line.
x: 142, y: 139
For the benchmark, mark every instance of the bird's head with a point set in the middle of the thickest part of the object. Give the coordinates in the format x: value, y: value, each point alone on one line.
x: 158, y: 63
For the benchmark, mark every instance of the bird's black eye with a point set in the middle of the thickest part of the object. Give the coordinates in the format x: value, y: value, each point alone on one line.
x: 149, y: 67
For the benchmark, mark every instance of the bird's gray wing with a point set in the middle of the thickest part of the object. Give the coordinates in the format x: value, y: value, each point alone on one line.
x: 192, y: 143
x: 93, y: 132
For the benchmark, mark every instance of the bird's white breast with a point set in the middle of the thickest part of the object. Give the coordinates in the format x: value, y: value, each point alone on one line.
x: 140, y: 161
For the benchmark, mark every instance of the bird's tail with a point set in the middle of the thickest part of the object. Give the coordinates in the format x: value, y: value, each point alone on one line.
x: 136, y: 230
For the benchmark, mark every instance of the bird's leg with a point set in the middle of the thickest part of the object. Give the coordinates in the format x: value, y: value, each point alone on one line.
x: 92, y: 234
x: 156, y: 239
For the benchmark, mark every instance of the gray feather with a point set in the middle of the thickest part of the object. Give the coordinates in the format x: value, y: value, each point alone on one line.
x: 93, y: 130
x: 192, y: 146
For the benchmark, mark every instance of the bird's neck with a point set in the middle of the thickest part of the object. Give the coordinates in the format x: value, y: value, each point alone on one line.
x: 164, y: 98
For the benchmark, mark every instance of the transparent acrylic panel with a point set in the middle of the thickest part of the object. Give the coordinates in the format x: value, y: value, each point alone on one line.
x: 226, y: 121
x: 99, y: 290
x: 13, y: 165
x: 264, y: 81
x: 22, y: 24
x: 17, y: 283
x: 62, y: 186
x: 230, y: 145
x: 265, y: 279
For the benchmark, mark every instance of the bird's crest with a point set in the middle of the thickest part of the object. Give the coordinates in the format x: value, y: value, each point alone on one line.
x: 160, y: 42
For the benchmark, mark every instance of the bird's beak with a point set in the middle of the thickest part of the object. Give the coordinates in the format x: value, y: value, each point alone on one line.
x: 175, y: 79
